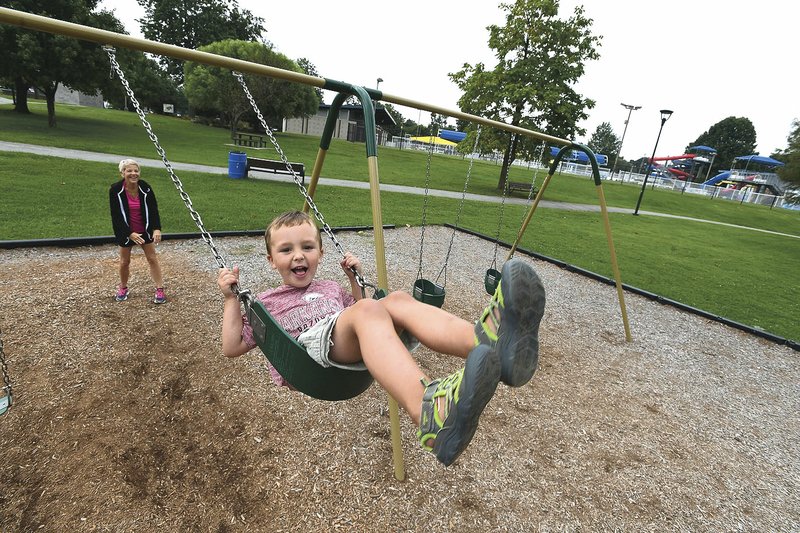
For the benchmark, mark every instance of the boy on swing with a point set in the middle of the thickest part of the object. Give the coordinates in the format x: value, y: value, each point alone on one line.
x: 343, y: 329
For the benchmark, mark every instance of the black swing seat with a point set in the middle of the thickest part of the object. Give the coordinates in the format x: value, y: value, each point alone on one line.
x: 295, y: 365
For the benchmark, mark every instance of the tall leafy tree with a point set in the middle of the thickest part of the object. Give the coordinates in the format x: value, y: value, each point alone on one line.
x: 731, y: 137
x: 213, y: 90
x: 540, y: 57
x: 790, y: 172
x: 604, y: 141
x: 45, y: 61
x: 151, y: 85
x: 195, y: 23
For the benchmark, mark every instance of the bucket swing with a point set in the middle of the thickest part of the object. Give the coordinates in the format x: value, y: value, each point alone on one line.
x: 288, y: 357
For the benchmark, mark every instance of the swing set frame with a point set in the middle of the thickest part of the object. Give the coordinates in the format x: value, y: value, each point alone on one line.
x: 366, y: 97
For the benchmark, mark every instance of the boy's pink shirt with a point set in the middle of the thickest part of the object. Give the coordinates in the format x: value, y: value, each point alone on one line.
x: 296, y: 310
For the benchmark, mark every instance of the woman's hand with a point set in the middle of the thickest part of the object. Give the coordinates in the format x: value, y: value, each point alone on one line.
x: 137, y: 238
x: 157, y: 236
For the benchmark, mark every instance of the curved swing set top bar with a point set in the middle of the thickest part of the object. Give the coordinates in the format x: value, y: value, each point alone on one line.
x: 366, y: 96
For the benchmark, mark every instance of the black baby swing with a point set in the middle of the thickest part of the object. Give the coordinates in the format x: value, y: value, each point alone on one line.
x: 284, y: 353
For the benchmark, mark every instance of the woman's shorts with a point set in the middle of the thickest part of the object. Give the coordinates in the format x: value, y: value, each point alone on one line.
x: 317, y: 340
x: 131, y: 244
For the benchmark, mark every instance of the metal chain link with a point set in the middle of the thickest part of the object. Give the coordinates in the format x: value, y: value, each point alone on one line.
x: 500, y: 218
x: 460, y: 209
x: 328, y: 231
x: 530, y: 196
x: 424, y: 209
x: 4, y: 367
x: 242, y: 294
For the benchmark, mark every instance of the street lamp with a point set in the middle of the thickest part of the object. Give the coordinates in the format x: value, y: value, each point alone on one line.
x: 665, y: 114
x: 713, y: 156
x: 378, y: 84
x: 631, y: 109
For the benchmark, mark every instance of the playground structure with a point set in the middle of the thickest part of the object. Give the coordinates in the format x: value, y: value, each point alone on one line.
x: 344, y: 91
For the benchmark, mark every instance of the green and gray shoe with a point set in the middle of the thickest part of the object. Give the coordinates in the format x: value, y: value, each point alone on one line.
x: 462, y: 397
x: 515, y: 312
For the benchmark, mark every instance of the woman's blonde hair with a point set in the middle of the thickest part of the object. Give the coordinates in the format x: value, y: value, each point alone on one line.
x: 128, y: 162
x: 290, y: 219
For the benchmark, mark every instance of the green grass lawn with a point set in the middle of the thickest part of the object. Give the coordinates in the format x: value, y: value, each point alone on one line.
x: 744, y: 275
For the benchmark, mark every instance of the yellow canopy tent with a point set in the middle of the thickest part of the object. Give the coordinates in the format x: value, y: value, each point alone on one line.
x: 435, y: 140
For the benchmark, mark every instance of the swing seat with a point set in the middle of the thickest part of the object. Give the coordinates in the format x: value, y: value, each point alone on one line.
x: 292, y: 361
x: 428, y: 292
x: 491, y: 280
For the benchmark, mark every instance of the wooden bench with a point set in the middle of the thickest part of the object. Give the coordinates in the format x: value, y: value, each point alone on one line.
x: 276, y: 167
x: 522, y: 187
x: 249, y: 139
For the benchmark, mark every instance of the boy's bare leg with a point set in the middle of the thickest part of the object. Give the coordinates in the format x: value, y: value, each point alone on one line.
x: 365, y: 332
x: 437, y: 329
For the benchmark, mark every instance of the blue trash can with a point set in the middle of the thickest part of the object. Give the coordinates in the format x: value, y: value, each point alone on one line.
x: 237, y: 165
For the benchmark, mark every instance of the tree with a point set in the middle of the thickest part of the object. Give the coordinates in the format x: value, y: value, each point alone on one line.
x: 604, y: 141
x: 194, y: 23
x: 44, y: 61
x: 151, y: 85
x: 309, y: 68
x: 731, y: 137
x: 397, y: 127
x: 790, y: 172
x: 213, y: 90
x: 539, y: 59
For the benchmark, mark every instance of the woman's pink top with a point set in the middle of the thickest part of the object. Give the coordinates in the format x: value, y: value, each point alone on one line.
x: 137, y: 223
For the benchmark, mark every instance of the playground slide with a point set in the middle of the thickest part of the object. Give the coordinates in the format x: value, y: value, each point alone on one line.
x: 716, y: 179
x: 679, y: 173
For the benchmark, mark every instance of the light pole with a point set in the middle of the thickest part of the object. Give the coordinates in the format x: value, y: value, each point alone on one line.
x: 665, y: 114
x: 631, y: 109
x: 713, y: 156
x: 378, y: 84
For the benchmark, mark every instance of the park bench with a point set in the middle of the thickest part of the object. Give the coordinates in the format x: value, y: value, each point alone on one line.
x: 249, y: 139
x: 521, y: 186
x: 276, y: 167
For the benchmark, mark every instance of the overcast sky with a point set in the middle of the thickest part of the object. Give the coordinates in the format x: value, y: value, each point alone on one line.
x: 704, y: 59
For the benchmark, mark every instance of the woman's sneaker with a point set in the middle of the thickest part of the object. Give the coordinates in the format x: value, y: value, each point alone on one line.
x: 510, y: 323
x: 159, y: 297
x: 122, y: 294
x: 451, y: 407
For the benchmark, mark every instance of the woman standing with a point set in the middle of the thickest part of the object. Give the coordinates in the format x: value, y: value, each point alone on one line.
x: 134, y: 214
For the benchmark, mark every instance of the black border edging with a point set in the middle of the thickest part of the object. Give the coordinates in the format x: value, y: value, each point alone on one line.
x: 70, y: 242
x: 641, y: 292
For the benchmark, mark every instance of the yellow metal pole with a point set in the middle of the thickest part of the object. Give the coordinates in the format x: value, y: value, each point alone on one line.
x: 614, y: 264
x: 528, y: 217
x: 383, y: 282
x: 312, y: 186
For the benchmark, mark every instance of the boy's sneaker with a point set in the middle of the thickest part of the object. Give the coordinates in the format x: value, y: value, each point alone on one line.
x: 452, y: 406
x: 122, y: 294
x: 515, y: 312
x: 159, y: 297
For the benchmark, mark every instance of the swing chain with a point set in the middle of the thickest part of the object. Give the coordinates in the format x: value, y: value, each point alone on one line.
x: 310, y: 201
x: 460, y: 208
x: 175, y: 180
x: 424, y: 209
x: 500, y: 217
x: 4, y: 368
